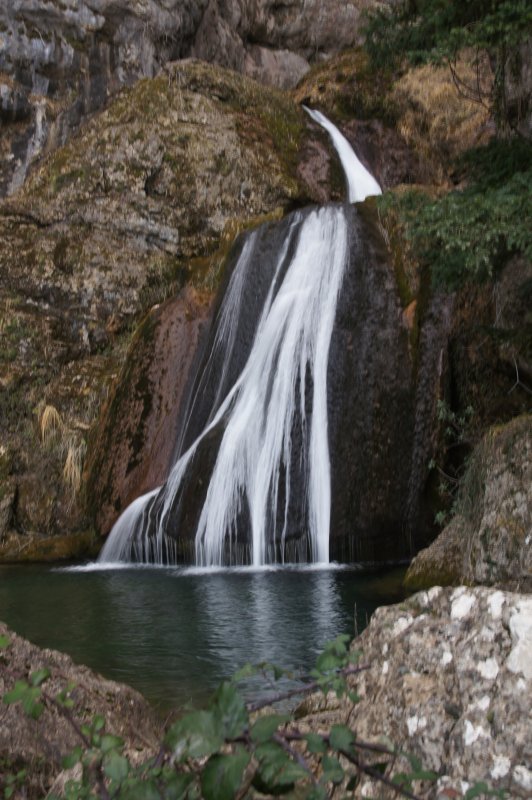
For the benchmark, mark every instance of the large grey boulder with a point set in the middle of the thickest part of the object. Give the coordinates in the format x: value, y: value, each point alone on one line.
x: 449, y: 680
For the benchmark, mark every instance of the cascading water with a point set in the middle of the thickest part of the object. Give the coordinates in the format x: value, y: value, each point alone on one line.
x: 267, y: 417
x: 360, y: 182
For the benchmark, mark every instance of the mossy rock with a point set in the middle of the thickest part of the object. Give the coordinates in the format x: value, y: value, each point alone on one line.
x: 69, y: 547
x: 489, y: 540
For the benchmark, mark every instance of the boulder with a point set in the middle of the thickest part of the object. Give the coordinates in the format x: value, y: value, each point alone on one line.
x: 489, y: 540
x: 448, y: 680
x: 38, y: 745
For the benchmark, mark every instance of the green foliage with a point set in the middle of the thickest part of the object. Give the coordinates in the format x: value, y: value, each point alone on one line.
x: 13, y: 783
x: 433, y: 30
x: 467, y: 234
x: 28, y: 696
x: 227, y: 751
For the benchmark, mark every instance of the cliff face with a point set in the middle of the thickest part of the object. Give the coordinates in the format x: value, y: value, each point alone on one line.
x: 60, y: 62
x: 137, y: 192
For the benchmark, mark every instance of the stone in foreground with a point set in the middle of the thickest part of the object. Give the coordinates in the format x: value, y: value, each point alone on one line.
x: 449, y: 681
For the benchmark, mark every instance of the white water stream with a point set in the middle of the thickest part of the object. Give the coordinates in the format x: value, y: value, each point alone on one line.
x: 360, y: 182
x: 291, y: 343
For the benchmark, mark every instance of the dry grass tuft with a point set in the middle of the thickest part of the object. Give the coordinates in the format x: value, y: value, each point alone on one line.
x: 50, y: 424
x: 73, y: 467
x: 434, y: 117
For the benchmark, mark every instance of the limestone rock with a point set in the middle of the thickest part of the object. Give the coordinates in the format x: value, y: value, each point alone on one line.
x: 273, y: 42
x: 39, y: 745
x: 66, y: 59
x: 449, y: 681
x: 489, y: 541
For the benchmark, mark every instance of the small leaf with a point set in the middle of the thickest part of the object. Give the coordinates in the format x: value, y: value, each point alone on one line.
x: 98, y: 723
x: 109, y: 742
x: 16, y: 694
x: 230, y: 711
x: 332, y: 770
x: 195, y: 735
x: 39, y: 676
x: 341, y: 738
x: 72, y: 758
x: 315, y: 743
x: 222, y: 775
x: 116, y: 767
x: 247, y: 671
x: 414, y: 761
x: 34, y: 710
x: 327, y: 662
x: 276, y: 769
x: 316, y: 793
x: 264, y: 728
x: 5, y: 641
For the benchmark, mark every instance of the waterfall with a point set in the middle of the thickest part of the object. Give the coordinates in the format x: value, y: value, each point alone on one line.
x: 360, y: 182
x: 266, y: 432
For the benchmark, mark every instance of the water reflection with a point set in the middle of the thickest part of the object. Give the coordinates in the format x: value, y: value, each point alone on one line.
x: 173, y: 634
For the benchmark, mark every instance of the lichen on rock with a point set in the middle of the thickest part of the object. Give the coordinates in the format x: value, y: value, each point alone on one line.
x: 449, y: 682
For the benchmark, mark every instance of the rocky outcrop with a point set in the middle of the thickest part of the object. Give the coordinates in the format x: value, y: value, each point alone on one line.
x: 489, y: 540
x: 144, y: 201
x: 61, y: 61
x: 448, y: 680
x: 276, y: 42
x: 38, y: 745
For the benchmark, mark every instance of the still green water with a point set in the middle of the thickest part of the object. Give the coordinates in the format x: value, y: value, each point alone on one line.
x: 174, y: 634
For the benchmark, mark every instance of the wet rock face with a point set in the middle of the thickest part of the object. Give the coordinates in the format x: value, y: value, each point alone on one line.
x: 449, y: 681
x: 138, y: 429
x: 489, y: 541
x: 24, y: 741
x: 372, y: 368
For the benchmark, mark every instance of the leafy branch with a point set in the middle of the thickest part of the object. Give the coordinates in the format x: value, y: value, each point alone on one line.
x: 231, y: 749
